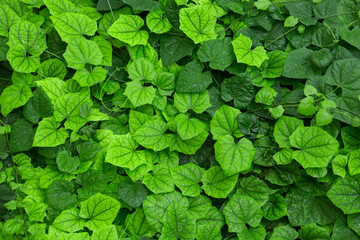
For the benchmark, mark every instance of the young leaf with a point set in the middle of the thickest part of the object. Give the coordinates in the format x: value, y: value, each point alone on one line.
x: 338, y: 165
x: 284, y: 127
x: 157, y: 23
x: 48, y: 134
x: 62, y: 6
x: 225, y: 123
x: 141, y: 69
x: 198, y: 102
x: 187, y: 127
x: 88, y: 79
x: 244, y: 54
x: 105, y: 233
x: 216, y: 184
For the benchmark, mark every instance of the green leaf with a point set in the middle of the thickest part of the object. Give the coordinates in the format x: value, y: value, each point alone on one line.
x: 284, y: 233
x: 68, y: 107
x: 239, y: 88
x: 316, y: 146
x: 216, y: 184
x: 275, y: 208
x: 189, y: 146
x: 141, y: 69
x: 73, y: 25
x: 345, y: 194
x: 48, y: 135
x: 105, y: 48
x: 13, y: 226
x: 187, y: 177
x: 291, y: 21
x: 262, y: 4
x: 138, y: 225
x: 224, y: 122
x: 283, y: 129
x: 152, y: 135
x: 354, y: 222
x: 22, y: 62
x: 14, y: 96
x: 307, y: 106
x: 60, y: 6
x: 7, y: 19
x: 166, y: 83
x: 157, y: 23
x: 52, y: 68
x: 301, y: 10
x: 338, y: 165
x: 127, y: 29
x: 234, y: 157
x: 80, y: 52
x: 284, y: 156
x: 197, y: 23
x: 257, y: 233
x: 53, y: 87
x: 200, y: 206
x: 105, y: 233
x: 244, y: 54
x: 198, y: 102
x: 69, y: 221
x: 142, y: 5
x: 100, y: 210
x: 174, y: 48
x: 313, y: 232
x: 122, y: 152
x: 139, y: 95
x: 67, y: 163
x: 160, y: 181
x: 273, y: 67
x: 266, y: 95
x: 50, y: 174
x: 132, y: 193
x: 219, y: 52
x: 192, y: 79
x: 59, y: 195
x: 88, y: 79
x: 255, y: 188
x: 241, y: 210
x: 177, y: 223
x: 210, y: 225
x: 35, y: 210
x: 187, y: 127
x: 350, y: 137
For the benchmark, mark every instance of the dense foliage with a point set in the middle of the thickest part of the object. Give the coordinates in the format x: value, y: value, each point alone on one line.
x: 180, y: 119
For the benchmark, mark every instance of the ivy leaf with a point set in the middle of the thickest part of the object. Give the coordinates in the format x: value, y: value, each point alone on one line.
x: 73, y: 25
x: 219, y: 52
x: 138, y: 225
x: 241, y: 210
x: 177, y: 223
x: 52, y: 68
x: 186, y: 177
x: 192, y: 79
x: 48, y: 135
x: 198, y: 102
x: 283, y: 129
x: 216, y: 184
x: 152, y: 135
x: 69, y: 221
x: 275, y: 208
x: 244, y: 54
x: 189, y: 146
x: 157, y: 22
x: 316, y: 146
x: 139, y: 95
x: 224, y: 122
x: 59, y: 195
x: 255, y: 188
x: 80, y: 52
x: 22, y: 62
x: 345, y: 194
x: 53, y: 87
x: 127, y: 29
x: 197, y: 23
x: 239, y: 88
x: 88, y: 79
x: 105, y: 233
x: 187, y: 127
x: 160, y: 181
x: 141, y: 69
x: 122, y: 152
x: 14, y: 96
x: 57, y: 7
x: 234, y: 157
x: 100, y: 210
x: 284, y: 233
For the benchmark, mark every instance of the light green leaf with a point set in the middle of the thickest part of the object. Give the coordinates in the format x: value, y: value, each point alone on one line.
x: 225, y: 122
x: 50, y: 174
x: 105, y: 233
x: 345, y: 194
x: 53, y: 87
x: 127, y: 29
x: 7, y: 19
x: 354, y: 162
x: 68, y: 107
x: 187, y: 127
x: 275, y: 208
x: 88, y: 79
x: 13, y: 226
x: 199, y: 207
x: 291, y: 21
x: 35, y: 210
x: 234, y: 158
x: 165, y: 82
x: 69, y: 221
x: 152, y: 135
x: 262, y: 4
x: 187, y: 177
x: 60, y: 6
x: 160, y: 181
x: 338, y: 165
x: 189, y: 146
x: 316, y: 146
x: 212, y: 7
x: 141, y: 69
x: 284, y: 233
x: 80, y: 52
x: 257, y: 233
x: 255, y: 188
x: 48, y: 135
x: 209, y: 226
x: 198, y: 102
x: 244, y: 54
x: 67, y: 163
x: 14, y: 96
x: 313, y: 232
x: 241, y: 210
x: 73, y: 25
x: 52, y: 68
x: 177, y: 223
x: 157, y: 22
x: 216, y: 184
x: 139, y: 95
x: 122, y: 152
x: 266, y: 95
x: 197, y: 23
x: 284, y: 127
x: 137, y: 225
x: 354, y: 222
x: 284, y: 156
x: 307, y: 106
x: 100, y: 210
x: 136, y: 120
x: 105, y: 48
x: 22, y: 62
